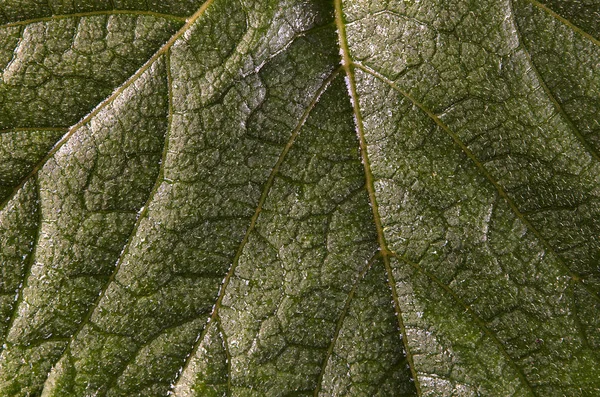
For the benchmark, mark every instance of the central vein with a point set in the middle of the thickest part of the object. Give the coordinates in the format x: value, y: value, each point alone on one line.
x: 369, y: 180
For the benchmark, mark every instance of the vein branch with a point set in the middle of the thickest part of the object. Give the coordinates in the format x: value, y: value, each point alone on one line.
x: 141, y: 216
x: 340, y: 322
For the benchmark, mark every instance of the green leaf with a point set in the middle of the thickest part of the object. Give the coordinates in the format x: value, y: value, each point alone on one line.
x: 299, y: 198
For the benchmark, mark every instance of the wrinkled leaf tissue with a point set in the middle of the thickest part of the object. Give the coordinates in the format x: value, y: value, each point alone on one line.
x: 299, y: 198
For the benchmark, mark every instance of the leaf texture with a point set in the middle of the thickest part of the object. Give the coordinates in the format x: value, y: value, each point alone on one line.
x: 299, y: 198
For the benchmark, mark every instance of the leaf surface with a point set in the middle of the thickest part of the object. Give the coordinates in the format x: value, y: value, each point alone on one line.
x: 277, y: 198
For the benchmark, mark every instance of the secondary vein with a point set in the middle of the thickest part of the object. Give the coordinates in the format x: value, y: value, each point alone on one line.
x: 163, y: 50
x: 340, y: 322
x: 557, y: 105
x: 565, y: 21
x: 513, y: 206
x: 254, y: 219
x: 92, y: 14
x: 478, y: 320
x: 142, y: 215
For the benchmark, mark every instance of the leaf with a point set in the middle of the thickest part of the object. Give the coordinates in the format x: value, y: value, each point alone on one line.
x: 284, y: 198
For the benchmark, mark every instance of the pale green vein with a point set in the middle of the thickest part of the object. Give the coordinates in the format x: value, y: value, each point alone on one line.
x: 478, y: 320
x: 50, y: 6
x: 577, y: 319
x: 574, y: 276
x: 347, y: 64
x: 340, y: 321
x: 163, y: 50
x: 254, y: 219
x: 115, y: 377
x: 33, y: 129
x: 547, y: 91
x: 565, y: 21
x: 142, y: 215
x: 93, y: 14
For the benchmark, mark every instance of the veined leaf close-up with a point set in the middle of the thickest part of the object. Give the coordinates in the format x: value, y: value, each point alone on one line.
x: 299, y: 198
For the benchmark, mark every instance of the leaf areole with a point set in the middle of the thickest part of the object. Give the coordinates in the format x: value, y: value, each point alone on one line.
x: 307, y: 198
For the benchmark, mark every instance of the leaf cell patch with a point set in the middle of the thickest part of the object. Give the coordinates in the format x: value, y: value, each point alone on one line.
x: 299, y: 198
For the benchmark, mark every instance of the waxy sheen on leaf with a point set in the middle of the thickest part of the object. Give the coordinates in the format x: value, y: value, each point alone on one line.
x: 299, y: 198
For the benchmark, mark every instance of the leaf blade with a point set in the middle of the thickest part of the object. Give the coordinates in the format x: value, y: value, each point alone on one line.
x: 251, y: 263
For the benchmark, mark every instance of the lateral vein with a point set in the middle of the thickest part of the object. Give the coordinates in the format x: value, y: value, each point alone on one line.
x: 513, y: 206
x: 254, y: 219
x: 476, y: 318
x: 565, y: 21
x: 557, y: 105
x: 92, y: 14
x: 110, y: 99
x: 340, y: 321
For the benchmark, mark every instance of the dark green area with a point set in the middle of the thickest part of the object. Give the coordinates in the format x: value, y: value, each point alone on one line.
x: 201, y: 200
